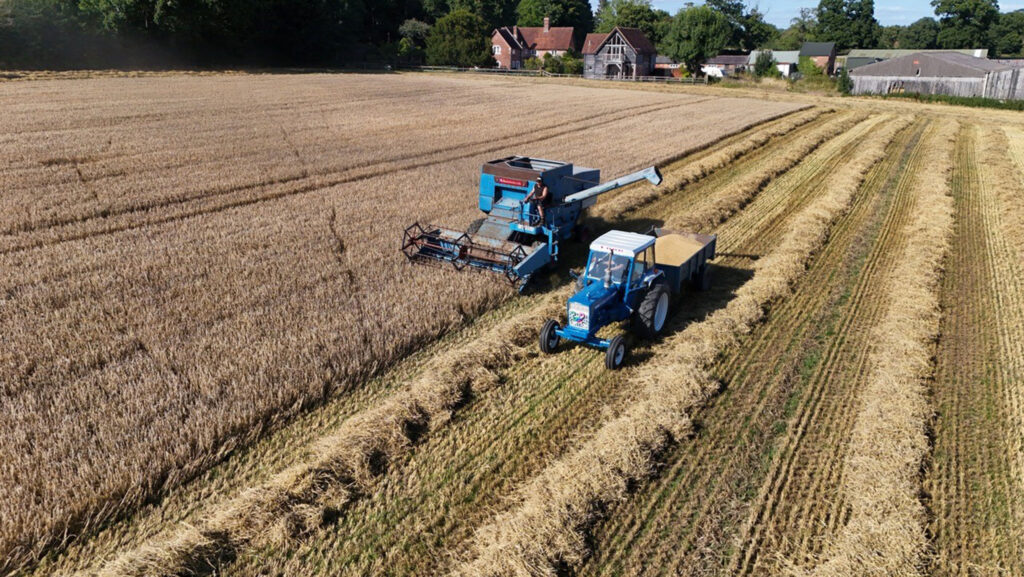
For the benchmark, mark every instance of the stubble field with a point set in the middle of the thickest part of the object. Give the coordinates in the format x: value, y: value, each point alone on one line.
x: 216, y: 361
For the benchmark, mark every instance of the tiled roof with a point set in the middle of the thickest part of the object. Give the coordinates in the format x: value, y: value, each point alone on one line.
x: 633, y: 36
x: 817, y: 49
x: 593, y: 41
x: 729, y: 60
x: 536, y: 38
x: 637, y: 40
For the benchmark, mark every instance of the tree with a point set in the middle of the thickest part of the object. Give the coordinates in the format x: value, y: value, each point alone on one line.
x: 765, y: 65
x: 459, y: 39
x: 923, y: 34
x: 575, y: 13
x: 1007, y: 33
x: 733, y: 12
x: 848, y: 23
x: 845, y: 83
x: 633, y: 14
x: 801, y: 29
x: 965, y: 23
x: 889, y: 36
x: 749, y: 30
x: 496, y: 13
x: 415, y: 30
x: 697, y: 33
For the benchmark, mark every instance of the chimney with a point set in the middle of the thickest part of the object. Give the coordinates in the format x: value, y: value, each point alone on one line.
x: 547, y: 24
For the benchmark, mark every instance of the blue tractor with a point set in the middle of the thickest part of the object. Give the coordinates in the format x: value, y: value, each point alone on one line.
x: 630, y: 276
x: 512, y: 239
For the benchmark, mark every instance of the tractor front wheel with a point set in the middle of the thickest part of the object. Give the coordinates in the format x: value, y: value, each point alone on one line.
x: 616, y: 353
x: 549, y: 337
x: 653, y: 311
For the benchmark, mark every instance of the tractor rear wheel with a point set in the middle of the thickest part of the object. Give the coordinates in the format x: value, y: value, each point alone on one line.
x: 616, y: 353
x: 653, y: 311
x: 549, y: 337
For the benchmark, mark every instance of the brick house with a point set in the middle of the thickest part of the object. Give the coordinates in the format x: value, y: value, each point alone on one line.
x: 622, y: 53
x: 511, y: 46
x: 823, y: 54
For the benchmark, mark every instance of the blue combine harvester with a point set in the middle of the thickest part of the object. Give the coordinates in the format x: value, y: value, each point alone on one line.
x: 512, y: 239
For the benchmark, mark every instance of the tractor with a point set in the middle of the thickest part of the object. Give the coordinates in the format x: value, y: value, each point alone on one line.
x: 630, y: 276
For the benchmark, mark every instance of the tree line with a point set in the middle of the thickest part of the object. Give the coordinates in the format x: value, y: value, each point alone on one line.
x: 136, y: 33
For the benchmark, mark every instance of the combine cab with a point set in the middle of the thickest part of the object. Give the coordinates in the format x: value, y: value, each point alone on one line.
x: 512, y: 240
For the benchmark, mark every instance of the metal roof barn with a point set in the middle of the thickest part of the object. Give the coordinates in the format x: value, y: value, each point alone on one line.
x: 945, y: 73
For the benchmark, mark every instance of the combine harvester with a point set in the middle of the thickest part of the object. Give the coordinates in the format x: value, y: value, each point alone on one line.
x: 512, y: 240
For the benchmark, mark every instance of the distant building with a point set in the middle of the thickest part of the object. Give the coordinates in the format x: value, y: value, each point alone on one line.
x: 823, y: 54
x: 946, y: 73
x: 890, y: 53
x: 511, y: 46
x: 726, y: 64
x: 622, y: 53
x: 785, y: 60
x: 665, y: 66
x: 862, y: 56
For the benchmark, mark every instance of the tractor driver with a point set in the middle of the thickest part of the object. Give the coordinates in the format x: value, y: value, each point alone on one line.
x: 541, y: 197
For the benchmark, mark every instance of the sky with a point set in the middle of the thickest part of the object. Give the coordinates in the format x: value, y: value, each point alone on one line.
x: 780, y: 12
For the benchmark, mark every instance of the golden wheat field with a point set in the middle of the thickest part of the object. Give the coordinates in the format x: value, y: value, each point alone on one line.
x: 214, y: 359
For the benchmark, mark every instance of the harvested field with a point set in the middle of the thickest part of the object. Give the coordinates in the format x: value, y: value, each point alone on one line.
x: 216, y: 361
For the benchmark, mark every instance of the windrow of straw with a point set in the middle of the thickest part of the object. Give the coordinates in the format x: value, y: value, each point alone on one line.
x: 346, y: 463
x: 885, y: 532
x: 1010, y: 179
x: 692, y: 172
x: 1006, y: 179
x: 548, y: 529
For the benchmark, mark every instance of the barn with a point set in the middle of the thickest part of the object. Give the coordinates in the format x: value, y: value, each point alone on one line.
x: 623, y: 53
x: 946, y: 73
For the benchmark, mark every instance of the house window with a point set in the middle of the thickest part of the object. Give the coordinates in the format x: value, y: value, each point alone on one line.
x: 496, y: 49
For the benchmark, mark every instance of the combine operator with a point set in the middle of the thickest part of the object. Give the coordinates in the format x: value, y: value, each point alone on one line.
x: 540, y: 196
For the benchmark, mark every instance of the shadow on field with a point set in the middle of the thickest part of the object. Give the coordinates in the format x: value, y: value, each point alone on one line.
x: 693, y: 306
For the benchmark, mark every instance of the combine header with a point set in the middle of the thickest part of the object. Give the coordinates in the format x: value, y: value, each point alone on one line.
x: 513, y: 240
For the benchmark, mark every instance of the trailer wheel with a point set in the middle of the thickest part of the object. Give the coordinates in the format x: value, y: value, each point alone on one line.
x: 703, y: 280
x: 650, y: 317
x: 549, y: 338
x: 615, y: 354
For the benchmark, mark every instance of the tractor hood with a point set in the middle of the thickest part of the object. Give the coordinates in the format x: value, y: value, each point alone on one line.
x: 594, y: 295
x: 587, y: 308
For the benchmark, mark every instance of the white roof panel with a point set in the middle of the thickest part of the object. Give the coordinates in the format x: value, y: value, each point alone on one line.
x: 617, y: 241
